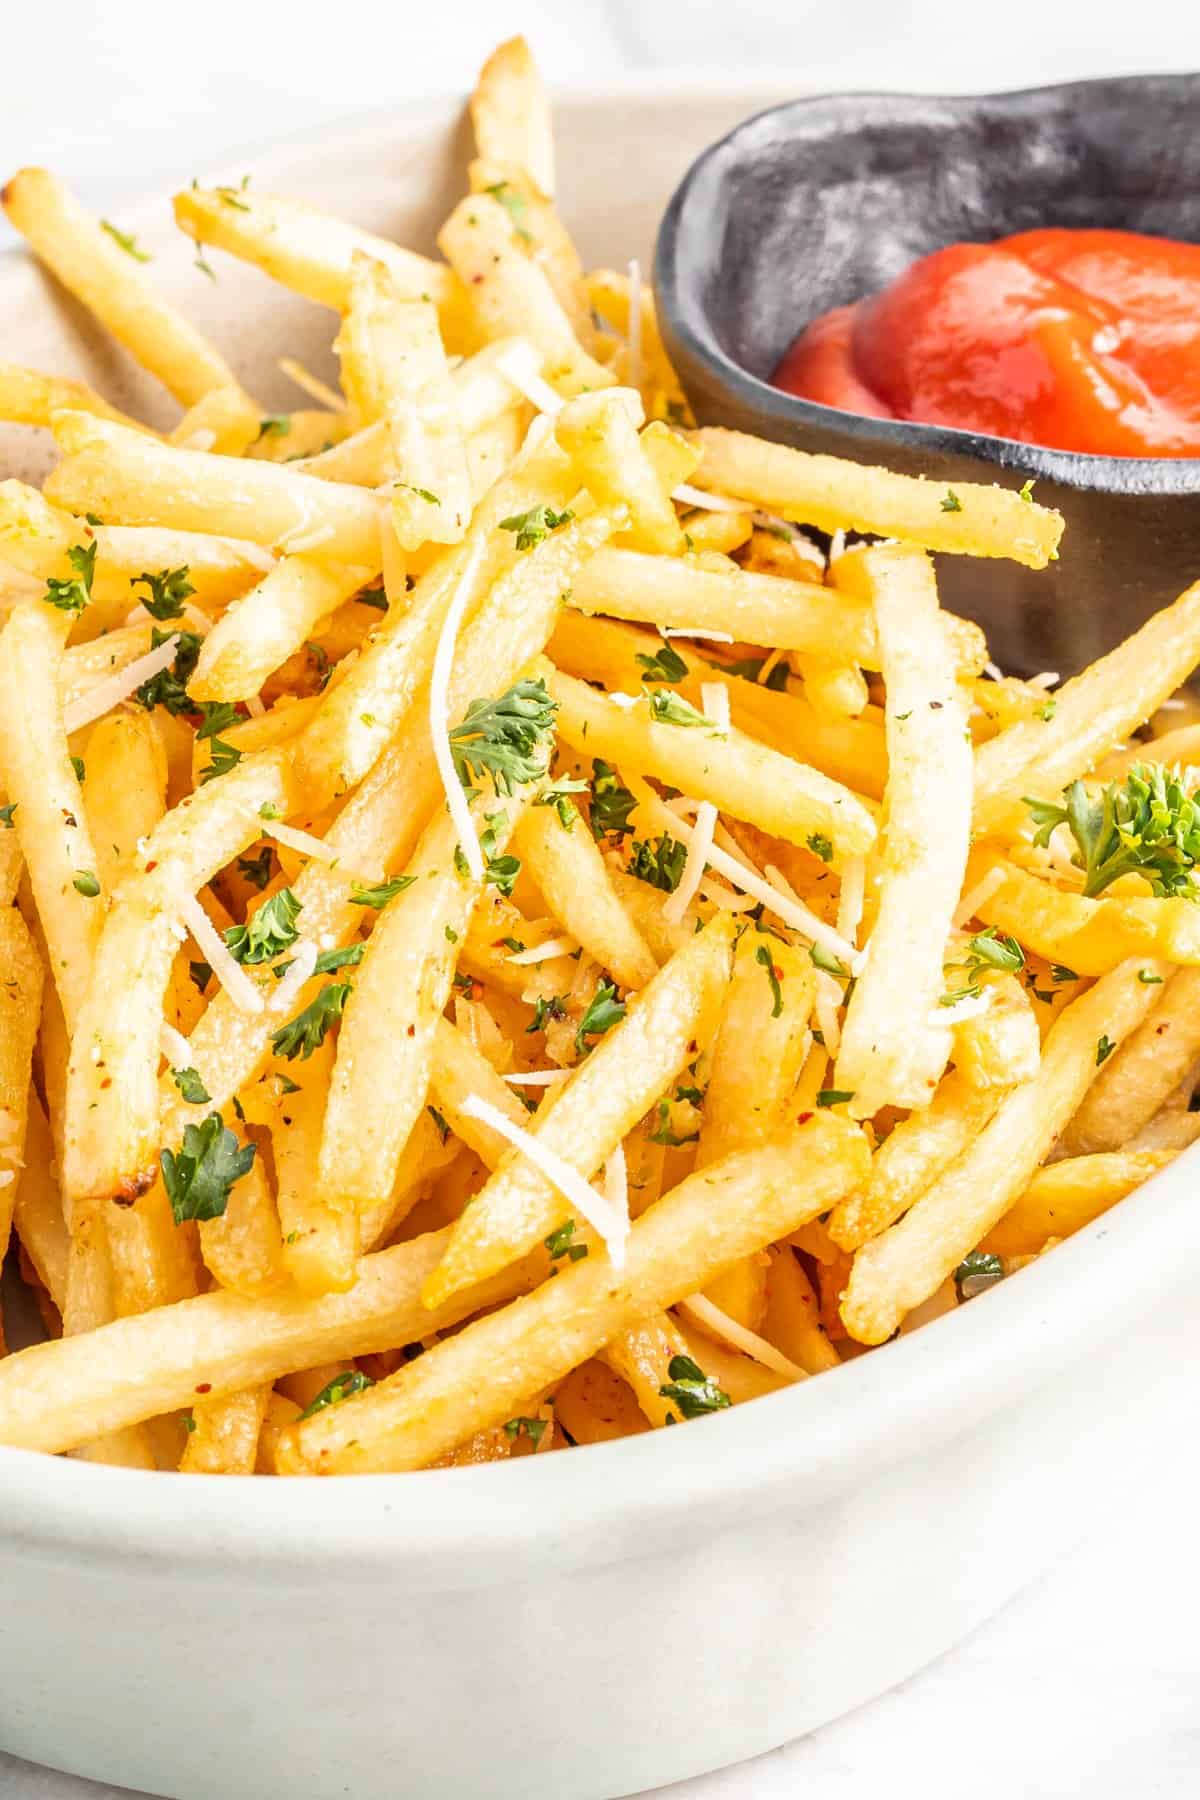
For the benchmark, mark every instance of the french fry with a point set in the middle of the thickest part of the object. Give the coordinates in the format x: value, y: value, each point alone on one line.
x: 320, y: 1243
x: 27, y: 397
x: 595, y: 1405
x: 223, y: 1436
x: 709, y: 1221
x: 793, y: 1321
x: 37, y: 1209
x: 852, y: 751
x: 666, y: 1025
x: 310, y: 252
x: 611, y: 295
x: 642, y: 1355
x: 510, y: 114
x: 97, y: 271
x: 243, y: 1249
x: 894, y: 1046
x: 127, y: 772
x: 834, y: 690
x: 912, y: 1156
x: 43, y: 788
x: 55, y: 1396
x: 1089, y: 936
x: 826, y: 492
x: 510, y: 293
x: 1065, y: 1196
x: 224, y: 420
x: 1178, y: 748
x: 600, y: 432
x: 269, y: 624
x: 737, y: 773
x: 391, y: 1016
x: 135, y: 481
x: 1002, y: 1046
x: 1094, y: 712
x: 1150, y: 1064
x: 458, y: 1070
x: 539, y: 225
x: 895, y: 1272
x: 20, y: 1012
x: 572, y: 877
x: 112, y: 1099
x: 747, y: 1097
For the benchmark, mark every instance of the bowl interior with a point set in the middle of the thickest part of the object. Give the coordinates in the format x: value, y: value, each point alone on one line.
x: 819, y: 202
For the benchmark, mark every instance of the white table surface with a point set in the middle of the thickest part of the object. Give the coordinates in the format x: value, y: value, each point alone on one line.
x: 1090, y: 1682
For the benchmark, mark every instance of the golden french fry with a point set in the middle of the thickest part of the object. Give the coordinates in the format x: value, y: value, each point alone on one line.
x: 767, y: 1005
x: 600, y: 432
x: 736, y: 772
x: 612, y: 296
x: 594, y: 1404
x: 223, y: 1434
x: 1002, y: 1046
x: 37, y: 1210
x: 793, y: 1321
x: 473, y: 1380
x: 112, y: 1097
x: 135, y: 481
x: 510, y: 293
x: 309, y: 251
x: 894, y: 1045
x: 125, y: 789
x: 270, y: 623
x: 574, y: 881
x: 1093, y: 712
x: 912, y: 1156
x: 1065, y: 1196
x: 538, y: 225
x: 243, y: 1249
x: 897, y: 1271
x: 666, y: 1026
x: 90, y: 262
x: 1148, y: 1067
x: 27, y: 397
x: 510, y: 114
x: 642, y: 1357
x: 224, y: 420
x: 44, y: 790
x: 21, y: 978
x: 831, y: 494
x: 1088, y: 936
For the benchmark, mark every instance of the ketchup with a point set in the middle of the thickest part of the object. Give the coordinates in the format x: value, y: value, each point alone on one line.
x: 1078, y: 340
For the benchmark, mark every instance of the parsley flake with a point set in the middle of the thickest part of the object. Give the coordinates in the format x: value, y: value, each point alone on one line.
x: 665, y: 665
x: 693, y: 1392
x: 308, y: 1030
x: 127, y: 242
x: 763, y: 956
x: 559, y: 1243
x: 73, y: 595
x: 532, y: 526
x: 612, y: 803
x: 267, y: 932
x: 603, y: 1011
x: 508, y: 738
x: 354, y: 1381
x: 191, y: 1087
x: 199, y: 1179
x: 168, y: 591
x: 378, y: 897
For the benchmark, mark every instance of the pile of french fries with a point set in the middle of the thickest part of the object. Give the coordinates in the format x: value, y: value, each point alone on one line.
x: 514, y: 930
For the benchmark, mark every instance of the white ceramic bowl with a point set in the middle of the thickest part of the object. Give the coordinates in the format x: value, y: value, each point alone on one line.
x: 580, y: 1625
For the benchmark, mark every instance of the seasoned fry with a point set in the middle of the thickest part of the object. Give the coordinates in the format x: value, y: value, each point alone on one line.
x: 20, y: 1011
x: 89, y: 262
x: 481, y: 1375
x: 1150, y: 1064
x: 259, y: 632
x: 510, y: 114
x: 1089, y: 936
x: 821, y: 491
x: 223, y: 1434
x: 570, y: 872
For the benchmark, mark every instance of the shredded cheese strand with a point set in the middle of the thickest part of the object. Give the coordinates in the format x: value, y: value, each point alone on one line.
x: 110, y: 692
x: 304, y: 961
x: 977, y: 896
x: 520, y: 365
x: 694, y: 496
x: 309, y: 384
x: 592, y: 1206
x: 537, y: 1077
x: 691, y: 631
x: 616, y: 1182
x: 851, y: 898
x: 740, y: 1337
x: 175, y: 1047
x: 228, y: 971
x: 969, y: 1007
x: 555, y: 946
x: 714, y: 701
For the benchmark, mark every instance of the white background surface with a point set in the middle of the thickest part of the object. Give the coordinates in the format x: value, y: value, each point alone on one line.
x: 1090, y: 1683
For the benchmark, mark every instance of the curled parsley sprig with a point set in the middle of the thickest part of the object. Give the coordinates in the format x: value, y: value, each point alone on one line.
x: 1147, y: 825
x: 508, y: 739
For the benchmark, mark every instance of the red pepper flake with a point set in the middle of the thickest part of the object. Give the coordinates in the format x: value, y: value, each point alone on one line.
x: 204, y: 1387
x: 803, y: 1118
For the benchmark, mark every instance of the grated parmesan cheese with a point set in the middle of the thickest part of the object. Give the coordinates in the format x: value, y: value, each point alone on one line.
x: 850, y: 900
x: 691, y: 631
x: 304, y: 961
x: 537, y: 1077
x: 968, y: 1008
x: 555, y: 946
x: 977, y: 896
x: 591, y: 1205
x: 694, y: 496
x: 110, y: 692
x: 740, y: 1337
x: 175, y: 1047
x: 714, y: 700
x: 616, y: 1182
x: 226, y: 968
x: 309, y: 384
x: 520, y: 365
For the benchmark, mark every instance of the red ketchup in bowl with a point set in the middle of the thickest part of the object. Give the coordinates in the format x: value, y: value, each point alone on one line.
x: 1077, y: 340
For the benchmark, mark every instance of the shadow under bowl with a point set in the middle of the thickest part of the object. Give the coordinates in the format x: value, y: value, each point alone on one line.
x: 821, y: 201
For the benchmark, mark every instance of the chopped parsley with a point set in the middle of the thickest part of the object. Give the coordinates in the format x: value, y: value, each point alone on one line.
x: 1047, y: 710
x: 834, y: 1096
x: 1060, y: 972
x: 420, y: 492
x: 224, y: 757
x: 198, y: 1179
x: 308, y: 1030
x: 612, y: 803
x: 1026, y: 493
x: 80, y: 768
x: 443, y: 1129
x: 558, y: 795
x: 85, y: 883
x: 990, y: 949
x: 1148, y: 978
x: 1104, y: 1049
x: 749, y: 668
x: 825, y: 959
x: 532, y: 526
x: 763, y: 956
x: 508, y: 738
x: 659, y: 861
x: 168, y: 591
x: 6, y: 815
x: 951, y: 501
x: 977, y: 1271
x: 169, y: 687
x: 340, y: 1388
x: 378, y: 897
x: 126, y: 241
x: 664, y: 1133
x: 603, y: 1011
x: 560, y: 1243
x: 274, y: 425
x: 257, y: 869
x: 693, y: 1392
x: 673, y: 709
x: 1147, y: 825
x: 191, y: 1087
x: 665, y: 665
x: 820, y: 846
x: 201, y: 975
x: 546, y: 1011
x: 515, y: 205
x: 533, y: 1429
x: 267, y: 932
x: 73, y: 595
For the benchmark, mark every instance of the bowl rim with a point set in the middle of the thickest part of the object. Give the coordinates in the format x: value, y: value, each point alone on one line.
x: 686, y: 319
x: 799, y: 1447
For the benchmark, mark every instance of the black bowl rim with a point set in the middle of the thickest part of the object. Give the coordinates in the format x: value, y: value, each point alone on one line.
x: 687, y: 321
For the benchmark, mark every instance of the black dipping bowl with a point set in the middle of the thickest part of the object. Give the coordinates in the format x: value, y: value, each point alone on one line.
x: 821, y: 201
